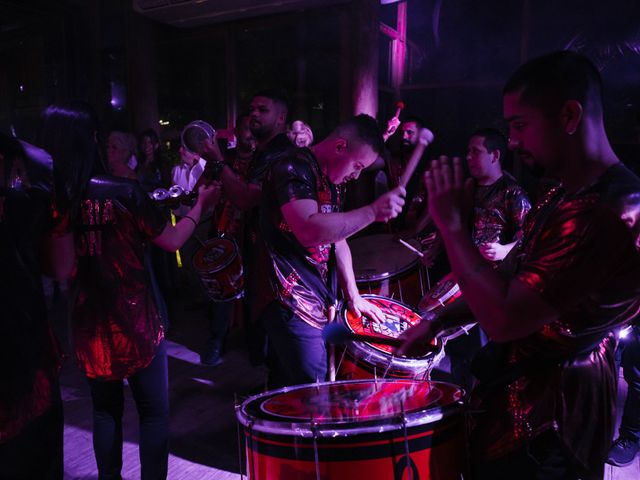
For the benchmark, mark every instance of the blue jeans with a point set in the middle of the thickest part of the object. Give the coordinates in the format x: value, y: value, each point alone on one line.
x: 630, y: 360
x: 151, y: 394
x: 296, y: 349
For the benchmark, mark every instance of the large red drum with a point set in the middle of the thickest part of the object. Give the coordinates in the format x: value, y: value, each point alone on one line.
x: 219, y: 266
x: 374, y: 430
x: 383, y: 266
x: 360, y: 360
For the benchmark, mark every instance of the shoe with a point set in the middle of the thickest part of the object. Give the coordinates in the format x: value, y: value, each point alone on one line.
x: 211, y: 357
x: 623, y: 451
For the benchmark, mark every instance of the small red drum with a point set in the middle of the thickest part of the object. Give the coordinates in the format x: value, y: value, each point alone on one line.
x: 368, y: 360
x: 443, y: 293
x: 383, y: 266
x: 219, y: 266
x: 373, y: 430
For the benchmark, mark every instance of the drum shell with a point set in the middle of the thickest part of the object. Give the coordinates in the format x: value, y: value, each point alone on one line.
x: 224, y: 280
x: 436, y: 445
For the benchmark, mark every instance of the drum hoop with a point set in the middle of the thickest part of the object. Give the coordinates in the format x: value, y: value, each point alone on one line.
x: 308, y: 429
x: 226, y: 263
x: 363, y: 351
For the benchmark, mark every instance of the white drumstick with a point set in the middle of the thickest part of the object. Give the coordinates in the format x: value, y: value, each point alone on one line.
x: 410, y: 247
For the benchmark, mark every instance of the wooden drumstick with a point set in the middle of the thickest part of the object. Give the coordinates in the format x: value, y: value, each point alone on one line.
x: 410, y: 247
x: 331, y: 314
x: 425, y: 137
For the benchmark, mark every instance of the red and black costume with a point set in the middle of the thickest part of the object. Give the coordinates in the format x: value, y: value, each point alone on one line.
x: 580, y: 252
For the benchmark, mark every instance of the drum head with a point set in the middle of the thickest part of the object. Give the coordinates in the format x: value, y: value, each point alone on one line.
x: 398, y: 317
x: 352, y: 406
x: 214, y: 255
x: 377, y: 257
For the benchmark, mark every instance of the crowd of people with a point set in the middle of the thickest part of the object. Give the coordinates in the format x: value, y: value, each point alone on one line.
x: 548, y: 286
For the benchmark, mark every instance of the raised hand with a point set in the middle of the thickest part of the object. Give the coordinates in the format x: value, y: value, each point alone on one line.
x: 389, y: 205
x: 450, y: 196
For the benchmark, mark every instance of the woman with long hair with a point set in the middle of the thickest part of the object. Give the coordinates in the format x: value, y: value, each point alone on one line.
x: 116, y: 326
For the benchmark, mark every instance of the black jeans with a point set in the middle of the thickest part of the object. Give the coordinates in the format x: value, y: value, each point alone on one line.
x: 545, y: 458
x: 296, y: 349
x: 151, y: 394
x: 37, y: 451
x: 630, y: 350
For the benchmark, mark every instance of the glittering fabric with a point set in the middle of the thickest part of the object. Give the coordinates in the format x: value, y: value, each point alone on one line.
x: 303, y: 278
x: 29, y: 355
x: 499, y: 211
x: 116, y: 325
x: 581, y: 252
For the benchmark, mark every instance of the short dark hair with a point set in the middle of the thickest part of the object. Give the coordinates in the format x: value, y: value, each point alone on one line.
x: 494, y: 139
x: 549, y: 81
x: 364, y: 128
x: 151, y: 134
x: 277, y: 95
x: 415, y: 119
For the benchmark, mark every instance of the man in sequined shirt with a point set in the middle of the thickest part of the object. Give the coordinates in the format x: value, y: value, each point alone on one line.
x: 305, y: 233
x: 544, y: 405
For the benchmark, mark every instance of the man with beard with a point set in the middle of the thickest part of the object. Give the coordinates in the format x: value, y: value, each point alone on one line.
x: 267, y: 122
x: 305, y: 232
x: 572, y: 280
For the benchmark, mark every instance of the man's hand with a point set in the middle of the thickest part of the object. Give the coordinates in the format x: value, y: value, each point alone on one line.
x: 494, y: 251
x: 358, y: 306
x: 415, y: 339
x: 209, y: 194
x: 392, y: 126
x: 389, y: 205
x: 211, y: 151
x: 450, y: 196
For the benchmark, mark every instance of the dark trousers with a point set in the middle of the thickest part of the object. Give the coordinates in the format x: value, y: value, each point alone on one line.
x: 37, y: 451
x: 630, y: 361
x: 151, y: 394
x: 544, y: 458
x: 219, y: 321
x: 297, y: 353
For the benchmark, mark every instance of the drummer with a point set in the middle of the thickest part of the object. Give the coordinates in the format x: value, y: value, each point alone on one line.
x: 574, y: 278
x: 306, y: 234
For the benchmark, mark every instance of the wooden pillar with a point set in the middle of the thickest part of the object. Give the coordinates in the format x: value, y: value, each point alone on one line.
x: 365, y: 30
x: 399, y: 49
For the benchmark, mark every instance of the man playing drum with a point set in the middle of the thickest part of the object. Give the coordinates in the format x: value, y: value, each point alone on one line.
x: 306, y: 234
x: 574, y: 278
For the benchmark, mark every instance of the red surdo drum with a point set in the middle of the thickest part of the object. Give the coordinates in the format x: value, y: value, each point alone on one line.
x: 383, y: 266
x: 374, y: 430
x: 368, y: 360
x: 219, y: 267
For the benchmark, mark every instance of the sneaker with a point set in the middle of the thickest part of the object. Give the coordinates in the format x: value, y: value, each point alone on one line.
x: 623, y: 451
x: 211, y: 357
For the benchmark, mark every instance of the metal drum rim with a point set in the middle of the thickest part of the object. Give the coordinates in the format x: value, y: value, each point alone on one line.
x: 307, y: 429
